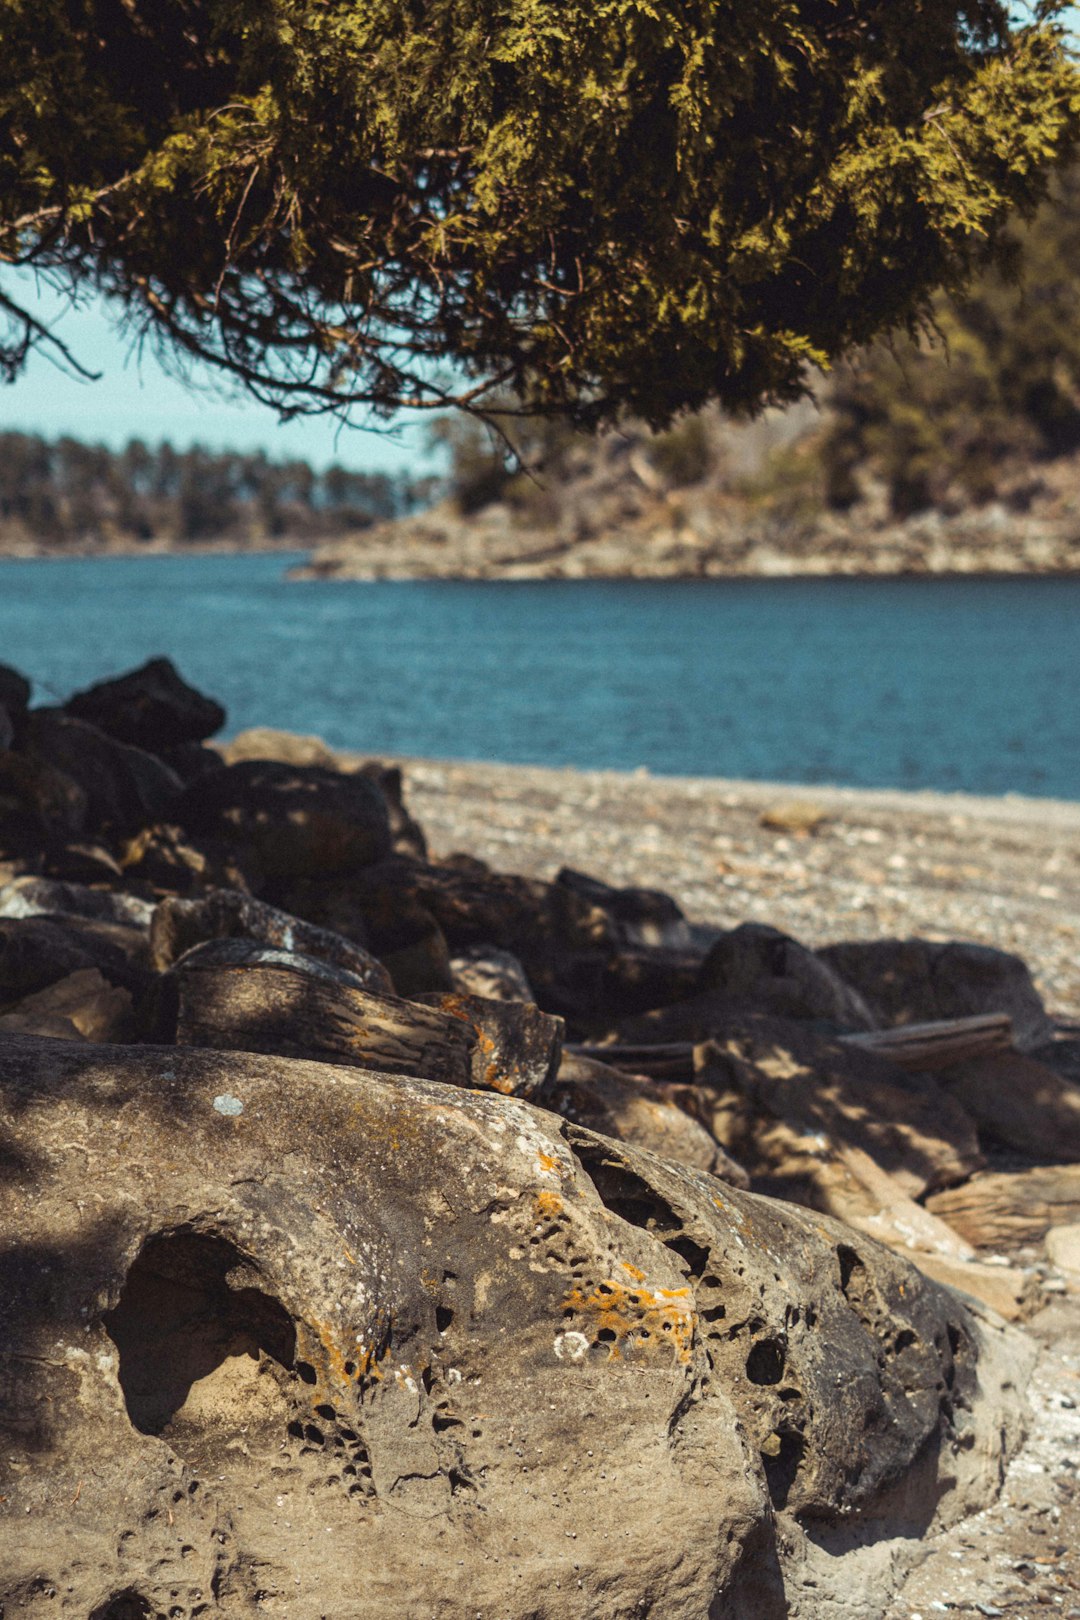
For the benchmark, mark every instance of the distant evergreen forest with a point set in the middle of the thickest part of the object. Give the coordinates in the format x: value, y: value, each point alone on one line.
x: 66, y: 493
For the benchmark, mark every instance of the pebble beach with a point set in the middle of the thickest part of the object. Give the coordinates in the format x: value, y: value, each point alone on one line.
x: 823, y: 864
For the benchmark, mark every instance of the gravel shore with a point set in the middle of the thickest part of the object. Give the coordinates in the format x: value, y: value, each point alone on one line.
x: 1003, y: 871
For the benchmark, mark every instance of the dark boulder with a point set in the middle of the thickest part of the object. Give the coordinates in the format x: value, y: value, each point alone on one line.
x: 35, y: 952
x: 762, y: 967
x: 151, y: 707
x: 190, y: 760
x: 406, y: 834
x: 14, y: 695
x: 126, y: 788
x: 297, y: 821
x: 39, y: 805
x: 178, y: 925
x: 633, y: 917
x: 915, y: 981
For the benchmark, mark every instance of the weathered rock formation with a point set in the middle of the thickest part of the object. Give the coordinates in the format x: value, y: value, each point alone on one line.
x: 284, y: 1336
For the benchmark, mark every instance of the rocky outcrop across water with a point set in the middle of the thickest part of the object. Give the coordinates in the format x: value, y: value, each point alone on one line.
x: 387, y: 1233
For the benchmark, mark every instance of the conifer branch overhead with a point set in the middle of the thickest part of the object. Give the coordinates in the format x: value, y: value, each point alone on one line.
x: 603, y: 204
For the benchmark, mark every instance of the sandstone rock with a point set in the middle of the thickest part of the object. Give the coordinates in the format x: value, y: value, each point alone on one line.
x: 178, y: 925
x: 125, y: 787
x: 240, y: 995
x: 760, y: 965
x: 634, y: 1110
x: 1006, y: 1208
x: 84, y: 1006
x: 516, y: 1046
x: 485, y: 970
x: 287, y: 747
x: 1009, y: 1292
x: 912, y: 981
x: 1063, y: 1248
x: 299, y: 821
x: 44, y: 897
x: 151, y: 708
x: 335, y: 1342
x: 777, y: 1070
x: 797, y: 816
x: 1018, y: 1101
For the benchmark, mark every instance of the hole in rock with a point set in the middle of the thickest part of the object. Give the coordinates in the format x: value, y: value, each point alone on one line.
x: 306, y: 1371
x: 127, y: 1605
x: 443, y: 1317
x: 623, y: 1192
x: 186, y: 1338
x: 781, y: 1469
x: 695, y: 1256
x: 849, y: 1265
x: 766, y: 1361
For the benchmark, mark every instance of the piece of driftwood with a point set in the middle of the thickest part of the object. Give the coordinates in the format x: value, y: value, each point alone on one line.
x: 1001, y: 1208
x: 237, y: 995
x: 940, y: 1044
x: 517, y: 1048
x: 914, y: 1046
x: 673, y: 1060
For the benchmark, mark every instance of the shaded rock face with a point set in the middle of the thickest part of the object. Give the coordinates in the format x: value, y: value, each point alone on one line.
x: 333, y: 1343
x: 152, y: 708
x: 914, y: 981
x: 299, y: 821
x: 761, y: 967
x: 125, y: 787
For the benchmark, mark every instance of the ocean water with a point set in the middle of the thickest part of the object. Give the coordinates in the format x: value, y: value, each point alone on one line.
x: 969, y: 684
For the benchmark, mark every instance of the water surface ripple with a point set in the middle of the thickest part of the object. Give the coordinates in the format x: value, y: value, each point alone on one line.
x: 947, y: 683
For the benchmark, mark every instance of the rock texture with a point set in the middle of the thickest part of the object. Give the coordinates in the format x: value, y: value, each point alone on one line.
x: 324, y: 1342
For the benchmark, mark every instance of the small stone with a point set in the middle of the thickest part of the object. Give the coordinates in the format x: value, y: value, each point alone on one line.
x: 1063, y: 1247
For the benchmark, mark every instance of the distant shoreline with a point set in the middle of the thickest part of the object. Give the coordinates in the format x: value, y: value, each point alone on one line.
x: 308, y: 571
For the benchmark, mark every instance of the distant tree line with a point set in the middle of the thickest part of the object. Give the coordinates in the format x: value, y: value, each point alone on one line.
x: 64, y: 492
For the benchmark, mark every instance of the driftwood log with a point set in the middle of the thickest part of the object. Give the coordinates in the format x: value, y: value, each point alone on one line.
x: 235, y: 994
x: 914, y: 1046
x: 518, y: 1047
x: 1000, y: 1208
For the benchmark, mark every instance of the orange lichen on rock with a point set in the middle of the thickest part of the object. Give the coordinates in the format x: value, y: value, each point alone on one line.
x: 633, y: 1318
x: 547, y: 1206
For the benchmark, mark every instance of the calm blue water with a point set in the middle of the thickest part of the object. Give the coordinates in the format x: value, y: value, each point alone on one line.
x: 971, y: 684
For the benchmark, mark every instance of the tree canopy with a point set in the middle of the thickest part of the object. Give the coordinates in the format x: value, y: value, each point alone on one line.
x: 597, y: 204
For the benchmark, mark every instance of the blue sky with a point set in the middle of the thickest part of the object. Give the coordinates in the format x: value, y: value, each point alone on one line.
x: 135, y: 398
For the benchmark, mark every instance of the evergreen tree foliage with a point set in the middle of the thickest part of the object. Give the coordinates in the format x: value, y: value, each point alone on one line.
x: 993, y: 386
x: 598, y: 204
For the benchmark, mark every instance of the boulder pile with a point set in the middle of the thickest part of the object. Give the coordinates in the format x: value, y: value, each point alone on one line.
x: 388, y: 1235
